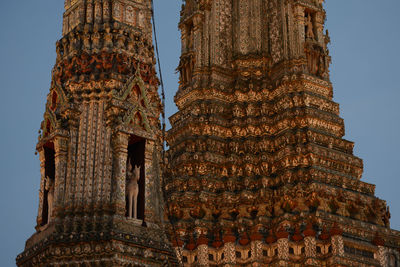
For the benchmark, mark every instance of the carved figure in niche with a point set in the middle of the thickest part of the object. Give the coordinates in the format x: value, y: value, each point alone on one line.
x: 132, y: 190
x: 96, y: 38
x: 108, y: 38
x: 129, y: 14
x: 313, y: 202
x: 107, y: 61
x: 141, y: 19
x: 106, y: 10
x: 85, y: 63
x: 96, y: 61
x: 68, y: 68
x: 49, y: 186
x: 116, y: 11
x: 288, y: 204
x: 74, y: 43
x: 122, y: 63
x: 121, y: 38
x: 310, y: 27
x: 86, y: 39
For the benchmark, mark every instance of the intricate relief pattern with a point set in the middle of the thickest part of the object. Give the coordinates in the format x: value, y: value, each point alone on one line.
x: 283, y: 249
x: 103, y: 105
x: 310, y: 245
x: 275, y: 31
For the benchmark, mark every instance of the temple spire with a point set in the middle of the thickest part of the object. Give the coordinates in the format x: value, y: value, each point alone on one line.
x: 257, y: 149
x: 99, y: 145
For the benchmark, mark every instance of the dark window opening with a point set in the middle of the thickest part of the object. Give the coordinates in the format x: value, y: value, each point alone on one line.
x: 291, y: 251
x: 249, y: 254
x: 184, y: 259
x: 303, y: 250
x: 238, y: 254
x: 50, y: 173
x: 265, y: 253
x: 210, y: 257
x: 136, y: 149
x: 319, y: 249
x: 222, y: 256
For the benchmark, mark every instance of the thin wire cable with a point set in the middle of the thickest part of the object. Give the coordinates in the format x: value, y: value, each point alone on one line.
x: 163, y: 127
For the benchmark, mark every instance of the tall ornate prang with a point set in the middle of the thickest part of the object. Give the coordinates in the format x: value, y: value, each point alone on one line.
x: 101, y: 122
x: 259, y: 173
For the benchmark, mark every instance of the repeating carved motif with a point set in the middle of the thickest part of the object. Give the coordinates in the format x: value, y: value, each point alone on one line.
x: 103, y: 105
x: 258, y: 140
x: 257, y: 171
x: 275, y: 31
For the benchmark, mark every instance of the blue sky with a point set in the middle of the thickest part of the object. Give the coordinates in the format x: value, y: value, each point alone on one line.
x: 365, y: 42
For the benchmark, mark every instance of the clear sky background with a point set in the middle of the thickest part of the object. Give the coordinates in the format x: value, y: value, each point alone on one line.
x: 365, y: 56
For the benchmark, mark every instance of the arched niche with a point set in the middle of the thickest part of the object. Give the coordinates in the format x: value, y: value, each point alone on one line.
x: 136, y: 158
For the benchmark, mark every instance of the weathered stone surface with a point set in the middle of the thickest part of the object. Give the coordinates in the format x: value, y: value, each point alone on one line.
x: 101, y: 120
x: 257, y: 172
x: 258, y: 142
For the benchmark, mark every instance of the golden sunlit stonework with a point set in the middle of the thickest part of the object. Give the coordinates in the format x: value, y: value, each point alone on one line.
x: 257, y: 172
x: 100, y: 143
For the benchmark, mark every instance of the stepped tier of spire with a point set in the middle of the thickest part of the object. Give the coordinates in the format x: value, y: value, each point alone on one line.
x: 258, y: 167
x: 100, y: 144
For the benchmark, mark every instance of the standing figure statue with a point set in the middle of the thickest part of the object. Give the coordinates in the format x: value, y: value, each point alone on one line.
x: 132, y: 189
x: 49, y: 186
x: 310, y: 27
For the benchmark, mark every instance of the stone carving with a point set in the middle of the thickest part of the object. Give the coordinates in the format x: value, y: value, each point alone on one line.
x: 132, y: 189
x: 310, y: 27
x: 257, y: 143
x: 260, y: 139
x: 141, y: 19
x: 97, y: 57
x: 49, y: 186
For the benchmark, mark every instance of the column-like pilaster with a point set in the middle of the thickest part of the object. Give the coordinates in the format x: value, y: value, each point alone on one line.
x: 300, y: 29
x: 72, y: 161
x: 337, y: 246
x: 229, y: 249
x: 89, y: 11
x: 319, y: 26
x: 197, y: 32
x: 61, y: 154
x: 202, y: 251
x: 183, y: 38
x: 311, y: 250
x: 98, y: 11
x: 39, y: 219
x: 256, y: 247
x: 337, y: 241
x: 283, y: 251
x: 152, y: 181
x: 256, y: 252
x: 381, y: 256
x: 120, y: 155
x: 81, y: 10
x: 106, y: 10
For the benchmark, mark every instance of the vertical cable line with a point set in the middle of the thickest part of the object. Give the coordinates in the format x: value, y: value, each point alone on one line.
x: 163, y: 130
